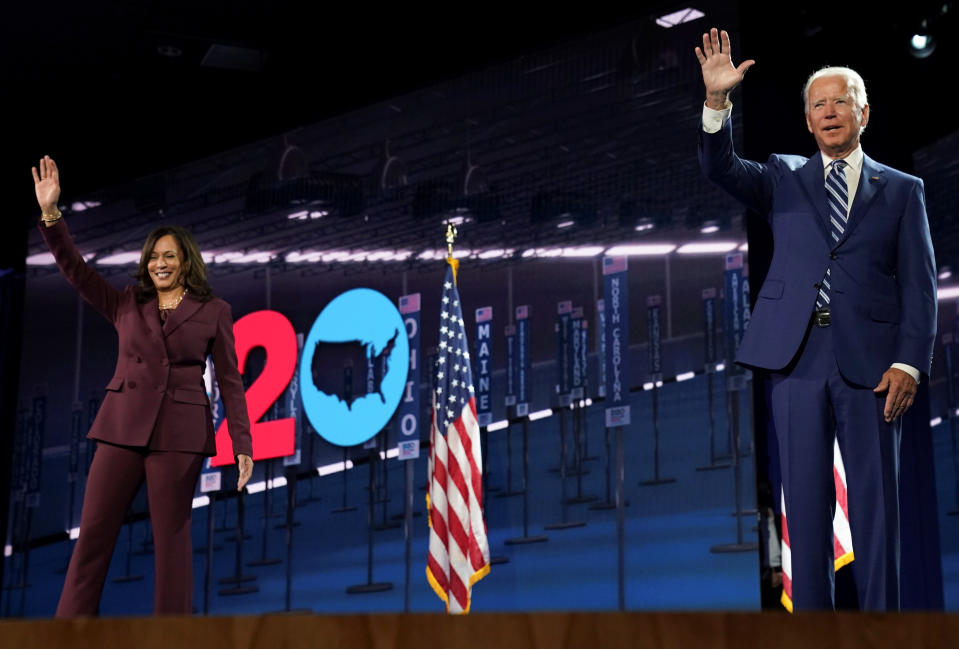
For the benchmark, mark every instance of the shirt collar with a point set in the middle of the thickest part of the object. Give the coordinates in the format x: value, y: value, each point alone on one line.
x: 854, y: 160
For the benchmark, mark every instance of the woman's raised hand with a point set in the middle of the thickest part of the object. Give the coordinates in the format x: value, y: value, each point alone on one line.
x: 46, y: 182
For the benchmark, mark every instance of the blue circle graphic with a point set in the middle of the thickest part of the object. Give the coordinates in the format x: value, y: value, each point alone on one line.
x: 370, y: 319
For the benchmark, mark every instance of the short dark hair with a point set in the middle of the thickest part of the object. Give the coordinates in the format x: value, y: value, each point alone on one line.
x: 192, y: 264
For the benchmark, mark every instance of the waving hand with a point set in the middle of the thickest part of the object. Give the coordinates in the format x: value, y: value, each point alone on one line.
x: 46, y: 182
x: 720, y: 76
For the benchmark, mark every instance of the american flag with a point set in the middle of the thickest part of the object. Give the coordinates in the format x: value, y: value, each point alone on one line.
x: 459, y: 551
x: 841, y: 532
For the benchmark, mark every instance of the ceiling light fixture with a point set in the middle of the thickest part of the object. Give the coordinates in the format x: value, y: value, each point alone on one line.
x: 686, y: 15
x: 706, y: 247
x: 641, y: 249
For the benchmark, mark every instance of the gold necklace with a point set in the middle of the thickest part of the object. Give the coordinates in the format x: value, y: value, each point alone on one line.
x: 169, y: 306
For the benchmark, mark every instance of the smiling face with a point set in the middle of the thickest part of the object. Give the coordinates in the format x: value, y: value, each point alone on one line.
x: 833, y: 118
x: 166, y: 264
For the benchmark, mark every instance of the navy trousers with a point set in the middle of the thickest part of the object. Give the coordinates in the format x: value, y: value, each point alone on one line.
x: 813, y: 404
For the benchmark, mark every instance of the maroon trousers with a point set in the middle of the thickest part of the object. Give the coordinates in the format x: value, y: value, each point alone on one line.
x: 115, y: 476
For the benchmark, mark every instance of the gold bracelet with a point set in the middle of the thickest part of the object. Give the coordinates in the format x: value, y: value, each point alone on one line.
x: 51, y: 218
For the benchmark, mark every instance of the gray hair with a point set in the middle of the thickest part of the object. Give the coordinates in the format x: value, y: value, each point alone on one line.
x: 855, y: 87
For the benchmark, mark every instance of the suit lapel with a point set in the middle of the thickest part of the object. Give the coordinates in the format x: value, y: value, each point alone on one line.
x: 813, y: 181
x: 181, y: 314
x: 870, y: 184
x: 148, y: 311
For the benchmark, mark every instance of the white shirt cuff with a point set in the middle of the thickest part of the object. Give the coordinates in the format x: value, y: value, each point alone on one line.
x: 714, y: 120
x: 908, y: 369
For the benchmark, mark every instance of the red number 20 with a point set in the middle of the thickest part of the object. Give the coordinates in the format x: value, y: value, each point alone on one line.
x: 274, y: 333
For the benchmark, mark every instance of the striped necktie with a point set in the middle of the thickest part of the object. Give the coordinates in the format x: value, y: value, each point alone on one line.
x: 837, y: 201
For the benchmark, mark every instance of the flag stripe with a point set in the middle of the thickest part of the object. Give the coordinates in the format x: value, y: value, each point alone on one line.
x: 787, y: 563
x: 458, y: 548
x: 842, y: 533
x: 840, y: 495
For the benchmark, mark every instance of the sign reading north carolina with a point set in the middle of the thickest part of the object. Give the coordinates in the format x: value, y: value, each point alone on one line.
x: 369, y: 319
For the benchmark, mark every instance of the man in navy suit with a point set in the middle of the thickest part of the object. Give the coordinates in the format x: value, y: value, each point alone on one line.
x: 844, y: 322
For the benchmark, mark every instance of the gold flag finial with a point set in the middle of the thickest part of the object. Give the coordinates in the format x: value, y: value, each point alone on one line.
x: 450, y: 238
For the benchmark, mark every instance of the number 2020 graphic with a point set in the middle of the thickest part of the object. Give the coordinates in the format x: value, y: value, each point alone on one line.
x: 272, y: 331
x: 359, y: 314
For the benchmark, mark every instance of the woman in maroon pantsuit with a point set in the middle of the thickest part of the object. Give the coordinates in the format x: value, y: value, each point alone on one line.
x: 154, y: 423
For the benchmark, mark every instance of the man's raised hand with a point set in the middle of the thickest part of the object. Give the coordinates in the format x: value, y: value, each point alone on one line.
x: 720, y: 76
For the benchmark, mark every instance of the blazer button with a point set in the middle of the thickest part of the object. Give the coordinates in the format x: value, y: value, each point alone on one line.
x: 139, y: 360
x: 131, y: 384
x: 833, y: 255
x: 816, y: 285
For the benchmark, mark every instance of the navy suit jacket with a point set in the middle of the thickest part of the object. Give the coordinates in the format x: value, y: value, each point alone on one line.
x: 883, y: 275
x: 157, y: 398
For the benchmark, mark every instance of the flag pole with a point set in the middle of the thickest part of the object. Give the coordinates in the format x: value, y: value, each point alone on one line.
x: 456, y: 561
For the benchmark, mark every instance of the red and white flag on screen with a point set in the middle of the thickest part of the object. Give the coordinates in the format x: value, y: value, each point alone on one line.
x: 459, y: 550
x: 841, y: 532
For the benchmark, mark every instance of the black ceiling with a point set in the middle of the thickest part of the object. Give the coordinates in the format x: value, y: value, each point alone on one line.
x: 85, y: 81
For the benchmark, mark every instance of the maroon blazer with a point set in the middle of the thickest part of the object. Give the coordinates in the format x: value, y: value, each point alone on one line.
x: 156, y: 398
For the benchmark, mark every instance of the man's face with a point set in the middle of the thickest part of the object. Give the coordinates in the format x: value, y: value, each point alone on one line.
x: 832, y: 118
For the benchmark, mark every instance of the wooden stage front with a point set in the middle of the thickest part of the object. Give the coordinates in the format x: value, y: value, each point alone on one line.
x: 494, y: 631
